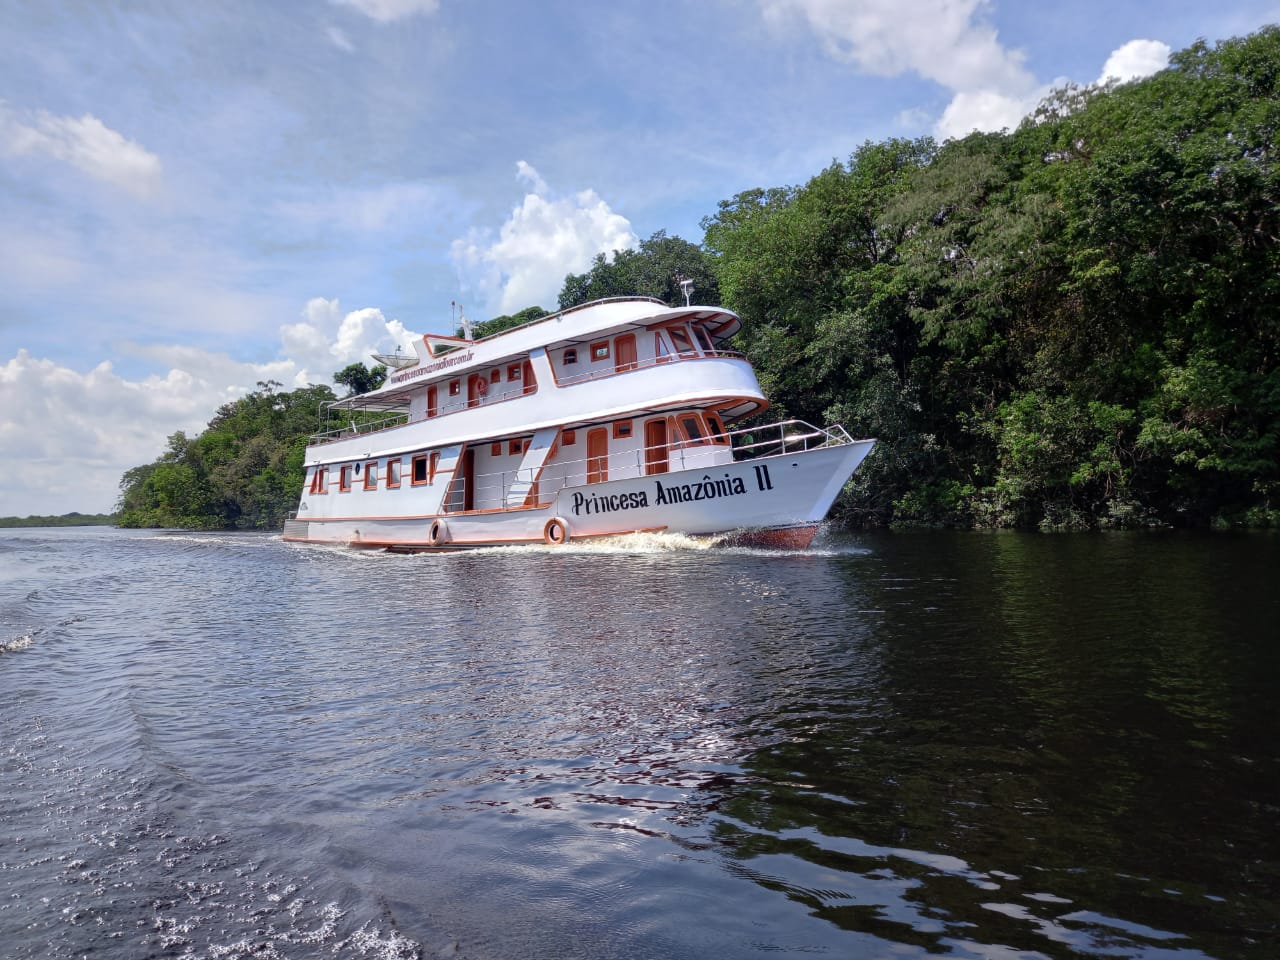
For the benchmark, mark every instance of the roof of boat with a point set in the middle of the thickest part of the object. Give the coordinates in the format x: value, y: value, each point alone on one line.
x: 439, y: 356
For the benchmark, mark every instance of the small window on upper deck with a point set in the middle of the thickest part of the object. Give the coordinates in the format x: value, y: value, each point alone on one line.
x: 600, y: 351
x: 455, y: 387
x: 717, y: 429
x: 680, y: 337
x: 570, y: 356
x: 513, y: 372
x: 691, y: 424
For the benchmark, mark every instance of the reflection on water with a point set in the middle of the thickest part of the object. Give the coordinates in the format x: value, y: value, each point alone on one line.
x: 982, y: 746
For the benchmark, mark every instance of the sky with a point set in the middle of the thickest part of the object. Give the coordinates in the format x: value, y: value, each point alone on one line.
x: 199, y: 197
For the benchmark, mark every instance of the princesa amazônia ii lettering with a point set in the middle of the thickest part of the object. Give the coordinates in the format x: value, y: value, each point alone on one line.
x: 706, y: 488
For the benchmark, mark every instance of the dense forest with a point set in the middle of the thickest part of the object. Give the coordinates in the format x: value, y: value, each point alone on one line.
x: 1075, y: 324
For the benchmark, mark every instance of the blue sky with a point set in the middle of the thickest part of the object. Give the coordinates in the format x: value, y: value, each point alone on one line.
x: 195, y: 197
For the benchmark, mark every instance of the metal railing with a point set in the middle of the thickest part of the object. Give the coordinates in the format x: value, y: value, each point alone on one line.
x: 752, y: 443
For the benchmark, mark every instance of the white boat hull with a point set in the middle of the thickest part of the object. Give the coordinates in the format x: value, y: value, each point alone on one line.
x: 776, y: 500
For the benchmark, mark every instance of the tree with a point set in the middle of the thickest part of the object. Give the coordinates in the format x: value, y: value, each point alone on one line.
x: 358, y: 378
x: 654, y: 270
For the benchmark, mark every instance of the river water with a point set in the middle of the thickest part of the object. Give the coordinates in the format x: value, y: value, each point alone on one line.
x: 977, y: 746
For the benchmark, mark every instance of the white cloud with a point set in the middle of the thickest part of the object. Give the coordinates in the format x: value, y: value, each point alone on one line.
x: 941, y: 40
x: 74, y: 434
x: 388, y: 11
x: 85, y: 143
x: 326, y: 340
x: 1135, y: 60
x: 545, y: 238
x: 985, y: 110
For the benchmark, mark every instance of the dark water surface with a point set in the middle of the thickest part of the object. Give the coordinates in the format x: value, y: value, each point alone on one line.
x: 995, y: 746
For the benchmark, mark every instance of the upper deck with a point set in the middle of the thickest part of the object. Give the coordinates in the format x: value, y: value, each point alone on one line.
x: 598, y: 361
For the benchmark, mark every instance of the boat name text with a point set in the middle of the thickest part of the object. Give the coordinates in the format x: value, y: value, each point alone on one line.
x: 664, y: 494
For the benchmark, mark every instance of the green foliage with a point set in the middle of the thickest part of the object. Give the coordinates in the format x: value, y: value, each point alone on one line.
x: 487, y: 328
x: 72, y: 519
x: 243, y: 472
x: 1073, y: 325
x: 655, y: 270
x: 358, y: 378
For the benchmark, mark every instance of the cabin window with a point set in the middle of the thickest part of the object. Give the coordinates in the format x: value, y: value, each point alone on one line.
x: 660, y: 350
x: 516, y: 447
x: 691, y: 424
x: 435, y: 464
x: 419, y: 476
x: 568, y: 438
x: 621, y: 429
x: 704, y: 340
x: 600, y: 351
x: 320, y: 480
x: 371, y: 475
x: 344, y: 478
x: 513, y: 372
x: 393, y: 474
x: 717, y: 429
x: 495, y: 449
x: 680, y: 338
x: 455, y: 387
x: 495, y: 375
x: 432, y: 406
x: 570, y: 356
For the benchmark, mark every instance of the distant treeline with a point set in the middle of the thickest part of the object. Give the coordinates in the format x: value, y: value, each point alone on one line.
x: 1072, y: 325
x: 65, y: 520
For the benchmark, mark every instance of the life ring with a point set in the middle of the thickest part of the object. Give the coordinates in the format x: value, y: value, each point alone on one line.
x: 556, y: 532
x: 438, y: 533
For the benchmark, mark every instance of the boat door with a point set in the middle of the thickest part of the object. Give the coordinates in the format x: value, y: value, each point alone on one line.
x: 655, y: 446
x: 597, y: 455
x: 624, y: 352
x: 468, y: 474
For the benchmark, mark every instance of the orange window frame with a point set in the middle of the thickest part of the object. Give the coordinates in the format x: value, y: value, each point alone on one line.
x: 371, y: 475
x: 344, y: 478
x: 513, y: 372
x: 433, y: 466
x: 393, y: 473
x: 621, y: 429
x: 696, y: 437
x: 418, y: 476
x: 600, y: 351
x: 568, y: 438
x: 716, y: 426
x: 433, y: 404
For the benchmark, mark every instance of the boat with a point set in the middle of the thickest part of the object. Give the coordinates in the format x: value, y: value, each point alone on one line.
x: 619, y: 416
